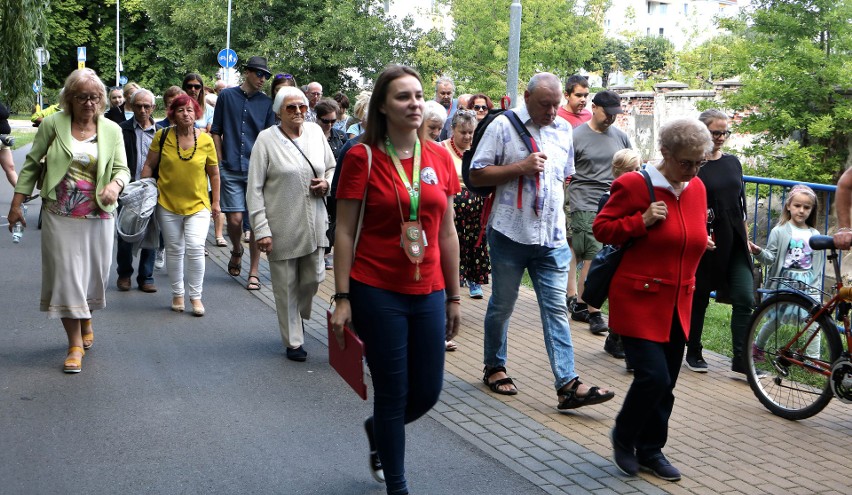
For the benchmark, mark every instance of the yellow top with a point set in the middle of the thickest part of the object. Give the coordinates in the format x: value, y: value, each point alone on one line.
x: 183, y: 184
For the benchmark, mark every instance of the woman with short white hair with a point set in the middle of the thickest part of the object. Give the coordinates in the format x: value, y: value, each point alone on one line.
x: 434, y: 117
x: 289, y: 177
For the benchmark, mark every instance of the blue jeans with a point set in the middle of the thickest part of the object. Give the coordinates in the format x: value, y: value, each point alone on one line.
x: 548, y: 269
x: 404, y: 341
x: 643, y: 422
x: 124, y: 260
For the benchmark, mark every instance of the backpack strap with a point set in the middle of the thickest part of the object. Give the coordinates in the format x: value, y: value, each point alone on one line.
x: 363, y: 200
x: 532, y: 147
x: 648, y: 183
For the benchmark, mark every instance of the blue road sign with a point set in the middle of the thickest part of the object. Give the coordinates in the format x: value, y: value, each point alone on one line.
x: 36, y: 87
x: 122, y: 80
x: 227, y: 58
x: 81, y: 54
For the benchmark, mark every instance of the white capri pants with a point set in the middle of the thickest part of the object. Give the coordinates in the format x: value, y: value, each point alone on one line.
x: 184, y: 237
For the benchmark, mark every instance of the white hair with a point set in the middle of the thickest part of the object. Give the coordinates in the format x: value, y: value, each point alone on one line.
x: 433, y: 110
x: 140, y: 92
x: 283, y: 93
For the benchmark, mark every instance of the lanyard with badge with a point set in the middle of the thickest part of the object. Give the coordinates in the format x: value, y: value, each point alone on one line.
x: 412, y: 239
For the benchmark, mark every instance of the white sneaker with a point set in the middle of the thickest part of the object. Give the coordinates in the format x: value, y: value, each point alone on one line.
x: 160, y: 260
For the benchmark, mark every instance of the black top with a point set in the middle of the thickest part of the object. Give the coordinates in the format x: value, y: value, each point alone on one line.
x: 5, y: 128
x: 723, y: 179
x: 116, y: 114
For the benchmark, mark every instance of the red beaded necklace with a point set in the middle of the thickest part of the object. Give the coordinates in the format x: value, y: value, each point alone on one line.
x: 458, y: 152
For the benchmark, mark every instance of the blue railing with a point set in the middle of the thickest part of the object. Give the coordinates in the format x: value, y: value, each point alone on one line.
x: 769, y: 189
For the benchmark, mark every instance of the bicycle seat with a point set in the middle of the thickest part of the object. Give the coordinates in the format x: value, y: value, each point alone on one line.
x: 820, y: 242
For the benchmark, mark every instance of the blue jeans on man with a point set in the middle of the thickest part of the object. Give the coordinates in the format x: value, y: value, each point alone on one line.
x: 124, y: 261
x: 548, y: 270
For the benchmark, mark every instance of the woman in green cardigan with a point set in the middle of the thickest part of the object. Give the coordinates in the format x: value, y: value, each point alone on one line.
x: 83, y: 171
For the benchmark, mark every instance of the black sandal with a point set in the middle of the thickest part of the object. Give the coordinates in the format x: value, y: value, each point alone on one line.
x: 496, y: 384
x: 234, y: 268
x: 568, y: 399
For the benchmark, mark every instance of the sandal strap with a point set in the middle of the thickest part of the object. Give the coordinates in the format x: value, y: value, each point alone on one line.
x: 501, y: 382
x: 494, y: 369
x: 76, y: 348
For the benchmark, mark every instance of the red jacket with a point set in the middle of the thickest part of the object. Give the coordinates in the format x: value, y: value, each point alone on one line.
x: 657, y: 274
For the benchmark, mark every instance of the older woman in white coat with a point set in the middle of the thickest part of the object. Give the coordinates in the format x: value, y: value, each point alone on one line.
x: 289, y: 175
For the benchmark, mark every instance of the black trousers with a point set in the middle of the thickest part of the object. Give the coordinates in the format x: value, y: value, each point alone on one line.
x: 643, y: 422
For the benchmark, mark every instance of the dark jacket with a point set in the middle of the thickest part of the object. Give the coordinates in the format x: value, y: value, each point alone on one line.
x: 116, y: 114
x: 129, y: 134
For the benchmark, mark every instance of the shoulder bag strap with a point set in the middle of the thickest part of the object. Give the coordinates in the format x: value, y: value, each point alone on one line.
x: 364, y: 199
x: 650, y: 186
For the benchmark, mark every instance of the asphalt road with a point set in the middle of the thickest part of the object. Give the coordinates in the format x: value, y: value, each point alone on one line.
x: 168, y: 403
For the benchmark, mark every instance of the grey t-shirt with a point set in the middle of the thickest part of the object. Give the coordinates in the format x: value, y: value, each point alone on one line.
x: 593, y: 152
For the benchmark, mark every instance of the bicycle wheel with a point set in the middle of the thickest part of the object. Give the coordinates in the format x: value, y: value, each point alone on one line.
x: 787, y: 389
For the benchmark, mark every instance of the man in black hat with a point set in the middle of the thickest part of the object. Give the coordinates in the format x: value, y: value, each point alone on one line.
x: 595, y: 143
x: 241, y: 113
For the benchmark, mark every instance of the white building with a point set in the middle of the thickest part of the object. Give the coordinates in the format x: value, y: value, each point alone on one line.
x: 683, y: 22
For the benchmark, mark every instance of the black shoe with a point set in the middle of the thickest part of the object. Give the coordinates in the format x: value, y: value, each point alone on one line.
x: 297, y: 354
x: 572, y: 301
x: 661, y: 467
x: 623, y: 458
x: 696, y: 363
x: 580, y: 312
x: 613, y: 346
x: 596, y: 323
x: 375, y: 463
x: 628, y: 365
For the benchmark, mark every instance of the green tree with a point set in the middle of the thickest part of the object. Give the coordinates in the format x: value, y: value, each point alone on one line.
x: 796, y: 67
x: 650, y: 55
x: 613, y: 56
x: 22, y: 30
x: 711, y: 61
x: 558, y: 37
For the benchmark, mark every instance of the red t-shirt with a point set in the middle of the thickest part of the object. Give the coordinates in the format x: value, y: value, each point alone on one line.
x: 380, y: 261
x: 575, y: 119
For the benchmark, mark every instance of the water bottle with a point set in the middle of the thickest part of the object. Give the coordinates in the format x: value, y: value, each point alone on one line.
x: 18, y: 229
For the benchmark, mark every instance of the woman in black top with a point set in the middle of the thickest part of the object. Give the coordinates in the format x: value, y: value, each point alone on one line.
x: 6, y: 160
x: 727, y: 269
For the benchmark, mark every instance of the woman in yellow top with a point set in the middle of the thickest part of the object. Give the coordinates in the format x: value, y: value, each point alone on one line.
x: 186, y: 160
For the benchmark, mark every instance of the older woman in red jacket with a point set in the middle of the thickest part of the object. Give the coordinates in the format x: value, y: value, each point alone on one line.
x: 650, y: 297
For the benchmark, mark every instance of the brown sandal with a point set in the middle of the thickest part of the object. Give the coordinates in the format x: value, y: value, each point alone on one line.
x: 235, y: 268
x: 253, y: 285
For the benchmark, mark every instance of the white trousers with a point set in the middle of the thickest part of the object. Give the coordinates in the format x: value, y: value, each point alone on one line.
x: 184, y: 237
x: 294, y: 284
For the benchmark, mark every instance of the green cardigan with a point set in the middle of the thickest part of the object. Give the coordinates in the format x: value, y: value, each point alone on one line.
x: 53, y: 142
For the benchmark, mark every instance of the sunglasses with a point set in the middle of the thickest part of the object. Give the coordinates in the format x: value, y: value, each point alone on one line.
x: 327, y: 121
x: 692, y: 163
x: 293, y: 108
x: 86, y: 98
x: 261, y: 75
x: 193, y: 86
x: 283, y: 76
x: 718, y: 134
x: 480, y: 108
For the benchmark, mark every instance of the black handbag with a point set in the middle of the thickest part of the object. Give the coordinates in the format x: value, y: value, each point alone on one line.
x: 605, y: 263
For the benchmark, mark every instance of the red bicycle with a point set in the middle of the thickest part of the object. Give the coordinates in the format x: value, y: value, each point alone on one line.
x: 798, y: 360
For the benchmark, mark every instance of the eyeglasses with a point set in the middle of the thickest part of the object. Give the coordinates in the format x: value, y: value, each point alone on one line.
x: 86, y: 98
x: 692, y: 163
x: 315, y: 93
x: 261, y: 75
x: 327, y: 121
x: 283, y: 76
x: 718, y: 134
x: 144, y: 107
x: 293, y: 108
x: 193, y: 86
x: 480, y: 108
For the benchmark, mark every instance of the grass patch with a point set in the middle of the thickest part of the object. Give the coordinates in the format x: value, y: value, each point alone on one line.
x: 717, y: 324
x: 23, y: 137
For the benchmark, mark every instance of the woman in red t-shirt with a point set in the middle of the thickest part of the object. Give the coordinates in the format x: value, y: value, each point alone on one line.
x: 392, y: 287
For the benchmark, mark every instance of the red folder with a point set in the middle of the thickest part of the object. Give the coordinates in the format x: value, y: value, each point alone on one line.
x: 348, y: 362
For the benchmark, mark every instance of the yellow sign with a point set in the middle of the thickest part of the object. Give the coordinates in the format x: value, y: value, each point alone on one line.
x: 81, y: 64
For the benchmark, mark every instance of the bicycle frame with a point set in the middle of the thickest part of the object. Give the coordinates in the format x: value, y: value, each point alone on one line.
x: 840, y: 301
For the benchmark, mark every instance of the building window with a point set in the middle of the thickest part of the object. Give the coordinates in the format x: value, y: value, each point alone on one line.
x: 648, y: 31
x: 662, y: 8
x: 661, y: 31
x: 686, y: 9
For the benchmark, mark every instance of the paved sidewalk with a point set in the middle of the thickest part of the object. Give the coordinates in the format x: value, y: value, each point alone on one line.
x: 721, y: 438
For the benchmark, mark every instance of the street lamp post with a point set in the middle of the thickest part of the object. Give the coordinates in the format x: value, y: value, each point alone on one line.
x: 117, y: 55
x: 228, y: 44
x: 514, y: 51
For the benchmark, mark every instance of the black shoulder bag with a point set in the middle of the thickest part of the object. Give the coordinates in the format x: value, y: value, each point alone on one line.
x: 605, y: 263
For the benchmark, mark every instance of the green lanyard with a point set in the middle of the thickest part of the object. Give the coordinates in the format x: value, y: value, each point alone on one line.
x: 413, y: 190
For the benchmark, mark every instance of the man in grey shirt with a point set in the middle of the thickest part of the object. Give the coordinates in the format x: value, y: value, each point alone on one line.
x: 595, y: 143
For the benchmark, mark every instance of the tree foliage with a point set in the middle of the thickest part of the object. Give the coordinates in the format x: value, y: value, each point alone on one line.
x: 612, y: 56
x: 796, y: 67
x: 711, y: 61
x: 557, y: 37
x: 22, y: 30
